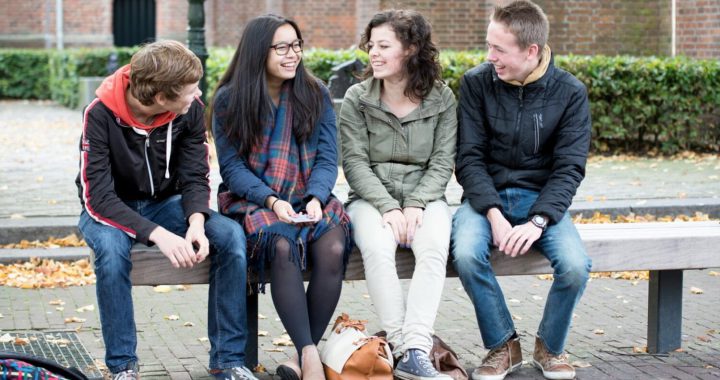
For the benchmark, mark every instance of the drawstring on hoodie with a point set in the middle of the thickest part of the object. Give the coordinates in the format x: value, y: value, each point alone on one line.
x: 168, y: 150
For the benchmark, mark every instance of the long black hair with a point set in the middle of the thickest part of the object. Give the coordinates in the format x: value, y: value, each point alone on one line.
x: 248, y: 101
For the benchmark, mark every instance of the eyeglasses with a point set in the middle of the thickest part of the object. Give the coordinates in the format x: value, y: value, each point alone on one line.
x: 283, y: 48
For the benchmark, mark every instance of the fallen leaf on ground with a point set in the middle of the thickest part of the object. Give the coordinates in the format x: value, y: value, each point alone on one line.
x: 21, y: 341
x: 59, y: 308
x: 283, y: 340
x: 708, y: 366
x: 45, y: 273
x: 598, y: 331
x: 537, y: 298
x: 259, y: 368
x: 639, y: 350
x: 513, y: 300
x: 274, y: 349
x: 71, y: 240
x: 59, y: 342
x: 6, y: 338
x: 182, y: 288
x: 203, y: 339
x: 262, y: 333
x: 85, y: 308
x: 711, y: 332
x: 579, y: 364
x: 713, y: 273
x: 74, y: 320
x: 516, y: 317
x: 2, y: 316
x: 162, y: 289
x: 57, y: 302
x: 188, y: 324
x: 695, y: 290
x: 704, y: 338
x: 261, y: 316
x: 366, y: 296
x: 172, y: 317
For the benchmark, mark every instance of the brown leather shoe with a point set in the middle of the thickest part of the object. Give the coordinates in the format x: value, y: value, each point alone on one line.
x: 500, y: 361
x: 555, y: 367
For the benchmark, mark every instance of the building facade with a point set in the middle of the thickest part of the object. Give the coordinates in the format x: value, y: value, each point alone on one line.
x: 610, y: 27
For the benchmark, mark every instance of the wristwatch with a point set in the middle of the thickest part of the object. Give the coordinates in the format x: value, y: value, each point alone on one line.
x: 539, y: 221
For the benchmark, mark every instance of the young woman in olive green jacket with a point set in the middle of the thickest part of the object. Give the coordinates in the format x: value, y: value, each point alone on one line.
x: 398, y: 131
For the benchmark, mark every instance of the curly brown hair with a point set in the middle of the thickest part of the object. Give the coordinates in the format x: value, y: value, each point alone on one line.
x: 412, y: 30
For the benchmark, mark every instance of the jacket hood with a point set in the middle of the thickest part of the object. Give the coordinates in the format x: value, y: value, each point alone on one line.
x: 112, y: 93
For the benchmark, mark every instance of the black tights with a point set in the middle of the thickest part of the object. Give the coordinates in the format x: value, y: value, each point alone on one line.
x: 306, y: 316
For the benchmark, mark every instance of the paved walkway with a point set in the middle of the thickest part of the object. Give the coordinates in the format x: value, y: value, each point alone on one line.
x: 38, y: 164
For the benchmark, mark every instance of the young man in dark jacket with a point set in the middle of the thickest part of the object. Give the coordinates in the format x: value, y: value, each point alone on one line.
x: 144, y: 176
x: 523, y: 140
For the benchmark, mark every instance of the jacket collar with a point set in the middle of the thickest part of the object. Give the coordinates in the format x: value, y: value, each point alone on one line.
x: 428, y: 106
x: 540, y: 82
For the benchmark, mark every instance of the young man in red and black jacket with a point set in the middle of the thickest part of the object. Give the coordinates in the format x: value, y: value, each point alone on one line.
x: 523, y: 140
x: 144, y: 176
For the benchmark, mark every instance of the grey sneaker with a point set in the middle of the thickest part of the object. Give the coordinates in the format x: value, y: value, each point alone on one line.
x: 235, y: 373
x: 416, y: 365
x: 132, y: 373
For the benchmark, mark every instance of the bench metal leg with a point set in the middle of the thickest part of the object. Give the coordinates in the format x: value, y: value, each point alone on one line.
x: 251, y: 347
x: 664, y: 311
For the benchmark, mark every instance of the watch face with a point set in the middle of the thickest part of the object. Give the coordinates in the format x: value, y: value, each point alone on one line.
x: 540, y: 220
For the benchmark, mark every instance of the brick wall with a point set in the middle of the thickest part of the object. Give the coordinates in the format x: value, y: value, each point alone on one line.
x: 457, y: 24
x: 171, y: 21
x: 698, y: 28
x: 607, y: 27
x: 637, y: 27
x: 31, y: 23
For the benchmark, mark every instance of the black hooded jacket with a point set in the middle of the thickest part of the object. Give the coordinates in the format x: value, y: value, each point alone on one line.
x: 535, y: 136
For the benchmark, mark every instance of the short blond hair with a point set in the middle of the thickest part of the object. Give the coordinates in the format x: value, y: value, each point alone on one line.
x: 526, y: 20
x: 163, y: 66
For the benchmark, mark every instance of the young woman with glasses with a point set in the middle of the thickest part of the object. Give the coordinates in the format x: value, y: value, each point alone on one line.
x: 275, y: 134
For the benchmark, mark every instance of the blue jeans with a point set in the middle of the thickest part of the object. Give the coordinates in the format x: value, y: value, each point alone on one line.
x: 227, y: 316
x: 560, y: 243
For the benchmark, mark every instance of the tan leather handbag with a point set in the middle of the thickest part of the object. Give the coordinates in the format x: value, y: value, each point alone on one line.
x: 350, y: 354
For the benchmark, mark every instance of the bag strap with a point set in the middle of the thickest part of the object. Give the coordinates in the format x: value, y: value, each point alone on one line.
x: 70, y: 373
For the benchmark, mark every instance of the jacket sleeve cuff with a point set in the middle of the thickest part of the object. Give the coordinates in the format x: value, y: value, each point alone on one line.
x: 483, y: 207
x: 554, y: 216
x: 143, y: 233
x: 259, y: 197
x: 414, y: 203
x: 388, y: 206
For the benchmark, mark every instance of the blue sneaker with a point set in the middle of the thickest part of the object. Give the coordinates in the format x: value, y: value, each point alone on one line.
x: 416, y: 365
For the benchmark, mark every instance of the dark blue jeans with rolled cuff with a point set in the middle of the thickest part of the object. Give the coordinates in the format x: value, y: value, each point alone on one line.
x: 227, y: 316
x: 560, y: 243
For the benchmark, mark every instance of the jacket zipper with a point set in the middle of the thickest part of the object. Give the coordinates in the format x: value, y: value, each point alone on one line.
x: 516, y: 138
x: 147, y: 162
x: 536, y: 118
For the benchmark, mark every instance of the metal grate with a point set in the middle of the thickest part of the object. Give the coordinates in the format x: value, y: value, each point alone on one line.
x: 63, y: 347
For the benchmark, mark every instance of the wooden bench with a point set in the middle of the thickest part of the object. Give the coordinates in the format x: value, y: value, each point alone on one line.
x: 665, y: 249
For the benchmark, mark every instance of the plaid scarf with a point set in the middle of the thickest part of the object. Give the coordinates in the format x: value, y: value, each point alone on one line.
x: 285, y: 166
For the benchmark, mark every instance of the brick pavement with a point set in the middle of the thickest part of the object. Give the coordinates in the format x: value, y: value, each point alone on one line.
x: 168, y: 349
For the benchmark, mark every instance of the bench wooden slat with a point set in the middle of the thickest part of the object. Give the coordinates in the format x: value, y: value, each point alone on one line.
x: 612, y: 247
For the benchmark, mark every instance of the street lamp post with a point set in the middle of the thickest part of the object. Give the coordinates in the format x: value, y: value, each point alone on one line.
x: 196, y: 37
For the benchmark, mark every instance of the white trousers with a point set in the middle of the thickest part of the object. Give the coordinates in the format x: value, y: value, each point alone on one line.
x: 408, y: 325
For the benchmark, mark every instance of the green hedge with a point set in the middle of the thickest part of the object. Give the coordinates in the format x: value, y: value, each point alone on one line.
x: 637, y: 104
x: 24, y: 74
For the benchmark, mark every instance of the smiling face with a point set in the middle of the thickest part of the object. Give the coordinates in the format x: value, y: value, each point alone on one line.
x: 511, y: 62
x: 181, y: 104
x: 282, y: 67
x: 387, y: 54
